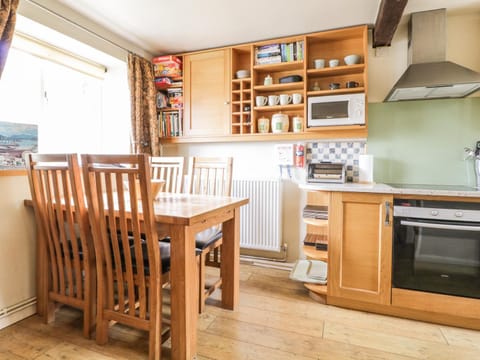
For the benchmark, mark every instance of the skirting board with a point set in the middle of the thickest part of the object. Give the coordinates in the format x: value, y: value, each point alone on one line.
x: 26, y: 309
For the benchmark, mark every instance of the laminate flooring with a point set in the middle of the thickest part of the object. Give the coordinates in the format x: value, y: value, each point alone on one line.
x: 276, y: 320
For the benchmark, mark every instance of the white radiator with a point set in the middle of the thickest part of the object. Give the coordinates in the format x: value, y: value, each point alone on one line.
x: 260, y: 220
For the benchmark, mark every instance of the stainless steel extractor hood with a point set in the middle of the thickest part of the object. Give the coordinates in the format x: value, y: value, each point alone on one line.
x: 429, y: 75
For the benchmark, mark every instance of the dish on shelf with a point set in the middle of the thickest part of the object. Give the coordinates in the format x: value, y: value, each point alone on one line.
x: 242, y: 74
x: 289, y: 79
x: 352, y: 59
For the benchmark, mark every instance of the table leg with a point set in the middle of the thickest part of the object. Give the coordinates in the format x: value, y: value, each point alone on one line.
x: 230, y: 264
x: 184, y: 293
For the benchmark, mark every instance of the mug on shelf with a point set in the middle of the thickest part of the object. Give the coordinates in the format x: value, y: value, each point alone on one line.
x: 273, y: 100
x: 333, y: 63
x: 261, y: 100
x: 285, y: 99
x: 319, y: 63
x: 297, y: 98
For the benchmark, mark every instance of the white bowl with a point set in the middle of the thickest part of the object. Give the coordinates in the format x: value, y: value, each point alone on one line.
x: 242, y: 74
x: 352, y: 59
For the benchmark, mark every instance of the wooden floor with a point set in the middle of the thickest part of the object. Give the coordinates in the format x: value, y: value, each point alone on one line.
x: 277, y: 320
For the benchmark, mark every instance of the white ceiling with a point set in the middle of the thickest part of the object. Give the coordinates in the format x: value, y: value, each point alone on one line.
x: 161, y: 27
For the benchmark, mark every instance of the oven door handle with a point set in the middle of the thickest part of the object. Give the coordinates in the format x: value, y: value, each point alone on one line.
x: 440, y: 226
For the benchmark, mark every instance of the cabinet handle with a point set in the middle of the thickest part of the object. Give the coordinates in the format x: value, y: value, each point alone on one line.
x: 387, y: 213
x: 226, y: 103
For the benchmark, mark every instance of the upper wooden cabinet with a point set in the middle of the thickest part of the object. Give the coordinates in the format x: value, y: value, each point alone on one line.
x: 219, y: 106
x: 207, y: 93
x: 360, y: 247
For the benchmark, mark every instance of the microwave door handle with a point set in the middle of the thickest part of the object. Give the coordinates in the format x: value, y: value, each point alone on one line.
x: 440, y: 226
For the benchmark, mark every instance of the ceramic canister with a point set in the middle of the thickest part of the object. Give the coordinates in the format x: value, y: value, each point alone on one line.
x: 297, y: 123
x: 263, y: 125
x: 279, y: 123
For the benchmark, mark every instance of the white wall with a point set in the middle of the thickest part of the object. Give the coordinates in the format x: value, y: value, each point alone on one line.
x: 254, y: 160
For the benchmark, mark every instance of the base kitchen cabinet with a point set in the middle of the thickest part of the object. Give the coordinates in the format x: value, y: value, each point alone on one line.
x: 360, y: 247
x: 207, y: 93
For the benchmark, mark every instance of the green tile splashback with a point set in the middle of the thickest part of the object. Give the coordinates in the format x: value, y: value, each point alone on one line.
x: 422, y: 142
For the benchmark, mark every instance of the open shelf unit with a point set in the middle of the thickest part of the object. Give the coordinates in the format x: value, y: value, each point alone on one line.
x: 316, y: 229
x: 289, y: 56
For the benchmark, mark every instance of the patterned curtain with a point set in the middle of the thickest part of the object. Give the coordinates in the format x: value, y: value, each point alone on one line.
x: 142, y: 94
x: 8, y: 17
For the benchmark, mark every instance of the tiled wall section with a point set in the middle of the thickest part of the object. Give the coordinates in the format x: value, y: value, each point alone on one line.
x: 345, y: 151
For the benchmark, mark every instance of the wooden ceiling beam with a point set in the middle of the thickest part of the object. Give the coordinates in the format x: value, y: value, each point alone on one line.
x: 388, y: 17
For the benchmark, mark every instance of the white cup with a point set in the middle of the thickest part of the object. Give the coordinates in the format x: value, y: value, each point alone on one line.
x: 273, y: 100
x: 297, y: 98
x: 285, y: 99
x: 319, y: 63
x: 333, y: 62
x: 261, y: 100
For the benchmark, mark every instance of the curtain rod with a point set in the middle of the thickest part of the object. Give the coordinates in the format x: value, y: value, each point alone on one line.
x: 79, y: 26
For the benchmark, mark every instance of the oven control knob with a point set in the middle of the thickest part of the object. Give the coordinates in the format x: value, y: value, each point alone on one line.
x: 434, y: 212
x: 458, y: 213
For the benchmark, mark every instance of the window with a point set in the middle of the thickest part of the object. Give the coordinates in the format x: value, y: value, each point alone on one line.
x: 75, y: 109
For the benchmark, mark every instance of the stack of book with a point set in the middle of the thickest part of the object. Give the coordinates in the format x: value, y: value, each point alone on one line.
x: 315, y: 212
x: 268, y: 54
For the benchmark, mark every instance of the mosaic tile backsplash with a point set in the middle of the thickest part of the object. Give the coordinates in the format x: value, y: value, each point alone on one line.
x: 345, y: 151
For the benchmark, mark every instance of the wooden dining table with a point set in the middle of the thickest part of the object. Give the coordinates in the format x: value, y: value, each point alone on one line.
x: 181, y: 216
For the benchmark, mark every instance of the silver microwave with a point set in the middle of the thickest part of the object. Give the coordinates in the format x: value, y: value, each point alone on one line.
x: 333, y: 110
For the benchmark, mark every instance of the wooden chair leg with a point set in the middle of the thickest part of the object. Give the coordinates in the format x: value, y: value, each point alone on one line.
x: 154, y: 342
x: 49, y: 312
x: 102, y: 331
x: 201, y: 284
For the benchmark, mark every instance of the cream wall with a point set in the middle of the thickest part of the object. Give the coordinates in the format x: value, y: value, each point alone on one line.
x: 17, y: 238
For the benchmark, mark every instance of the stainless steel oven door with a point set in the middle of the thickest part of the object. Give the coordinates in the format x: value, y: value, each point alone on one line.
x: 437, y: 256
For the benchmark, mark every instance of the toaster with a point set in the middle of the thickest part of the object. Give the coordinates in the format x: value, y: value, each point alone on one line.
x: 328, y: 172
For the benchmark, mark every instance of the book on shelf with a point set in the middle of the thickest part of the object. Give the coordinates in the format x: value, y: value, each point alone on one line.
x: 315, y: 212
x: 277, y: 53
x: 170, y: 123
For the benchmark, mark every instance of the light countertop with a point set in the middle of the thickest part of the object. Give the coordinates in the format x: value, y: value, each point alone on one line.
x: 387, y: 189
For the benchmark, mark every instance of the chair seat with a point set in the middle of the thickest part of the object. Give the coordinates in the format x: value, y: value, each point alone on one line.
x: 207, y: 237
x: 164, y: 254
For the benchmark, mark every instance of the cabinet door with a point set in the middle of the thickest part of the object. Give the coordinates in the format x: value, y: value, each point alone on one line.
x: 207, y: 93
x: 360, y: 247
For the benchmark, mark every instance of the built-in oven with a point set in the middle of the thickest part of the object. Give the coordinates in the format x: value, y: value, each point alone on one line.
x: 436, y: 247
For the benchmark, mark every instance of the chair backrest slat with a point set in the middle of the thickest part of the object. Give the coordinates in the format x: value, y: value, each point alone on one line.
x: 126, y: 244
x: 170, y: 169
x: 210, y: 176
x: 60, y: 209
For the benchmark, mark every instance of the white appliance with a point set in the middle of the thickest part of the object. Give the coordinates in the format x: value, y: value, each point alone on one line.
x: 334, y: 110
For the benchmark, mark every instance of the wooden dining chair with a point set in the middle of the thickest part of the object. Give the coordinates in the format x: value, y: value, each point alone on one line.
x: 62, y: 220
x: 170, y: 169
x: 209, y: 176
x: 132, y: 265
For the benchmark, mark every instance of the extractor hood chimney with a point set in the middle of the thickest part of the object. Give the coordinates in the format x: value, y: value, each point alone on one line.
x: 429, y: 75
